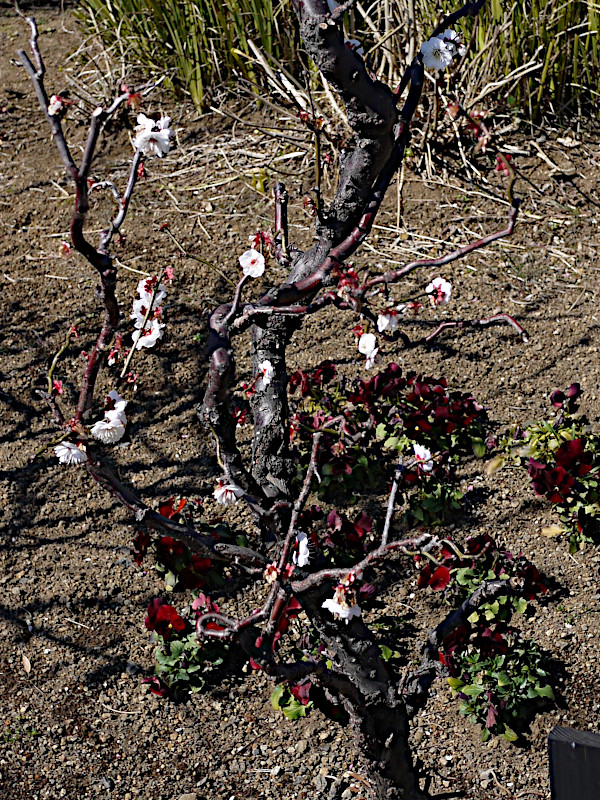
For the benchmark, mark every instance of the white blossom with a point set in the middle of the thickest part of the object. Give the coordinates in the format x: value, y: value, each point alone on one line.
x: 252, y: 263
x: 302, y: 557
x: 388, y: 321
x: 227, y: 493
x: 271, y: 573
x: 55, y: 105
x: 436, y: 53
x: 153, y: 332
x: 118, y: 405
x: 145, y: 293
x: 367, y: 345
x: 138, y: 312
x: 355, y: 46
x: 149, y: 293
x: 423, y: 457
x: 439, y: 291
x: 68, y: 453
x: 110, y: 429
x: 452, y: 40
x: 265, y: 375
x: 340, y: 606
x: 152, y: 138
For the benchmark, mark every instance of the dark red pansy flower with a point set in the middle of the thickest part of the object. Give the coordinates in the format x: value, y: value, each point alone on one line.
x: 553, y: 482
x: 157, y: 687
x: 163, y: 619
x: 167, y: 509
x: 170, y: 551
x: 572, y: 456
x: 301, y: 692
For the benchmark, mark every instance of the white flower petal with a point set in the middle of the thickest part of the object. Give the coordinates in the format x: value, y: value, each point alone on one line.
x: 119, y: 405
x: 152, y: 138
x: 252, y: 263
x: 453, y: 42
x: 146, y: 295
x: 436, y: 54
x: 144, y: 122
x: 367, y: 344
x: 424, y: 457
x: 110, y: 429
x: 153, y: 332
x: 55, y: 105
x: 227, y: 493
x: 388, y: 321
x: 68, y: 453
x: 340, y: 611
x: 371, y: 359
x: 265, y: 375
x: 439, y: 291
x: 138, y: 312
x: 302, y: 557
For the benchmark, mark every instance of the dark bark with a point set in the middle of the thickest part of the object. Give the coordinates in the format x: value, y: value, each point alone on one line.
x: 372, y: 114
x: 367, y: 689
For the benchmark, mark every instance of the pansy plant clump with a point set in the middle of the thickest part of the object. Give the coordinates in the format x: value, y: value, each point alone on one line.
x: 562, y: 457
x: 183, y: 663
x: 498, y: 676
x: 366, y: 425
x: 460, y: 571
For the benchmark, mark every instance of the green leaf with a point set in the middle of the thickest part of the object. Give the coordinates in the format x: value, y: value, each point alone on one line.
x: 485, y: 734
x: 177, y: 648
x: 391, y: 443
x: 455, y: 683
x: 295, y: 710
x: 161, y: 657
x: 545, y: 691
x: 386, y: 652
x: 276, y: 696
x: 521, y: 605
x: 464, y: 576
x: 509, y: 734
x: 473, y: 690
x: 381, y: 431
x: 479, y: 447
x: 473, y: 618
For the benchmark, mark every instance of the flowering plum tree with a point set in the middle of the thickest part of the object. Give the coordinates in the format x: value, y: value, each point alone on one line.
x: 299, y: 565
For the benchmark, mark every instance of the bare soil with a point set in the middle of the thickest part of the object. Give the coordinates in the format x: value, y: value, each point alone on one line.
x: 80, y: 724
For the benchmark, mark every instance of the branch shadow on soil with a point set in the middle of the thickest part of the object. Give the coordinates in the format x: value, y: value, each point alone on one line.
x: 95, y: 642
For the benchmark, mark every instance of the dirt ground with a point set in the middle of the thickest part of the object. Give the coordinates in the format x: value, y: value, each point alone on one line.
x: 80, y: 724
